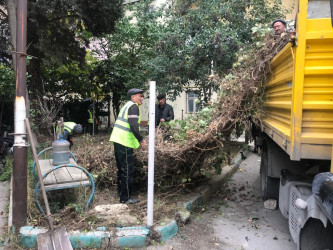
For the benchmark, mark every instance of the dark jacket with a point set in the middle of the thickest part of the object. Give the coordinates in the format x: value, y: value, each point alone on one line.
x: 167, y: 114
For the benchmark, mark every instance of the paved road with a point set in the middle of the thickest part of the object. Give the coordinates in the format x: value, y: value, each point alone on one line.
x: 235, y: 218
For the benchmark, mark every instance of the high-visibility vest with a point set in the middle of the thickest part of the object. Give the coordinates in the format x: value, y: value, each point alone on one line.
x: 121, y: 132
x: 69, y: 126
x: 90, y: 120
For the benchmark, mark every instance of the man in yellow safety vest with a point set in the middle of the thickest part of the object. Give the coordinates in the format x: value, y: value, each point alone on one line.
x: 70, y: 128
x: 91, y: 120
x: 125, y: 137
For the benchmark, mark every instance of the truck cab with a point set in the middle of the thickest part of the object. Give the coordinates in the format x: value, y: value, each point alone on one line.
x: 296, y: 128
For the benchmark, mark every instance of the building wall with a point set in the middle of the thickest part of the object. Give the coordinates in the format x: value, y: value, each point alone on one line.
x: 292, y: 6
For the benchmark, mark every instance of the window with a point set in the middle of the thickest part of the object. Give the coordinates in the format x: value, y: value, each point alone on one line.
x: 192, y: 106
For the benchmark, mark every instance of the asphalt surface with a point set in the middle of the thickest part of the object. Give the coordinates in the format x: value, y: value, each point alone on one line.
x: 235, y: 218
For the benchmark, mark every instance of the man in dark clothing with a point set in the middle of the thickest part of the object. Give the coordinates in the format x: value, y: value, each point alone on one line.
x: 163, y: 111
x: 279, y: 26
x: 125, y: 137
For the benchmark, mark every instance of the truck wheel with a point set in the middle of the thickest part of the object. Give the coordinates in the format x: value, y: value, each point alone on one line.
x: 269, y: 186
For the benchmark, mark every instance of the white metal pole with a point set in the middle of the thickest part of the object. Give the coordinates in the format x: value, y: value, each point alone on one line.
x: 151, y: 153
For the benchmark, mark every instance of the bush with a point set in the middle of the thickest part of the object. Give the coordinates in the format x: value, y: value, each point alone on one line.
x: 6, y: 170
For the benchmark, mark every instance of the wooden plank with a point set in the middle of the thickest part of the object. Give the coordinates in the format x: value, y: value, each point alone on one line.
x: 62, y: 176
x: 67, y: 185
x: 76, y: 174
x: 45, y: 166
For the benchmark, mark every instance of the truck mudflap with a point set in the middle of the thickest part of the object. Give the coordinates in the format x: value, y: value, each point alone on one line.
x: 322, y: 189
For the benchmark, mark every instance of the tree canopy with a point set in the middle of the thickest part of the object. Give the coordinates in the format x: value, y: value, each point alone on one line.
x: 204, y: 38
x: 58, y: 34
x: 127, y: 51
x: 7, y: 95
x: 5, y: 55
x: 179, y: 46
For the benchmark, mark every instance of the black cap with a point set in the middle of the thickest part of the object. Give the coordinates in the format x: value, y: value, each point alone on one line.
x: 279, y: 20
x: 134, y: 92
x: 160, y: 96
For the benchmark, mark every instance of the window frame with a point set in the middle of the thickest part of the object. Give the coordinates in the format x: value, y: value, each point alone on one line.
x: 196, y: 106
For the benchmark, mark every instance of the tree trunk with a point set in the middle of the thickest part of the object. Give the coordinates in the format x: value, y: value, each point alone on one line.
x: 115, y: 104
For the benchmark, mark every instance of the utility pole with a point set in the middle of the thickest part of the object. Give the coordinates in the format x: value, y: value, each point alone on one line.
x: 20, y: 146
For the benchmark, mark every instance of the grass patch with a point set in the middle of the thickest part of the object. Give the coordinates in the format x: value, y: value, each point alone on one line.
x: 7, y: 168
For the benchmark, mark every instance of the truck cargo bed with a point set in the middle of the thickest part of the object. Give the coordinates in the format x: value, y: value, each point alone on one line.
x: 298, y: 110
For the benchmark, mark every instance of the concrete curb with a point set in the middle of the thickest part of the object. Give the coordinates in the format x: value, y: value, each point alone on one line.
x: 134, y: 237
x: 204, y: 192
x: 125, y: 237
x: 130, y: 237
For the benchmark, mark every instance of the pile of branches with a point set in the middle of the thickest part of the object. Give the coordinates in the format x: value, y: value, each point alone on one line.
x: 96, y: 155
x: 240, y: 97
x: 180, y: 162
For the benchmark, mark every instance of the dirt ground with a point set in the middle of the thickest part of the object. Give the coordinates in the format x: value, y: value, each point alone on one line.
x: 67, y: 205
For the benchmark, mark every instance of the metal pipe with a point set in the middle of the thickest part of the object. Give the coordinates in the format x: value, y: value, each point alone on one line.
x: 151, y: 154
x: 20, y: 147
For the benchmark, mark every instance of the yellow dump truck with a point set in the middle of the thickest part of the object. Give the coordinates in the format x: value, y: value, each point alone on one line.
x: 296, y: 128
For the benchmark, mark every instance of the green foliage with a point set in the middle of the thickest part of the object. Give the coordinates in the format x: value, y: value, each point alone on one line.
x: 7, y: 169
x: 76, y: 207
x: 183, y: 49
x: 98, y: 16
x: 5, y: 44
x: 58, y: 33
x: 204, y: 39
x: 191, y: 41
x: 128, y: 50
x: 7, y: 96
x: 7, y: 82
x: 74, y: 79
x: 196, y: 123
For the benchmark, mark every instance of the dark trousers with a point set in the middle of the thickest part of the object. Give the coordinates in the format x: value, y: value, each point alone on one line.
x: 70, y: 140
x: 125, y: 163
x: 90, y: 128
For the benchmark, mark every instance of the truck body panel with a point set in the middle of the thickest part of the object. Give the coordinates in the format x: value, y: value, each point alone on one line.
x: 296, y: 127
x: 298, y: 110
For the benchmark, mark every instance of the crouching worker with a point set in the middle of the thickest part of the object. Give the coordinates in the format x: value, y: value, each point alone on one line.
x: 125, y: 137
x: 6, y: 146
x: 69, y: 129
